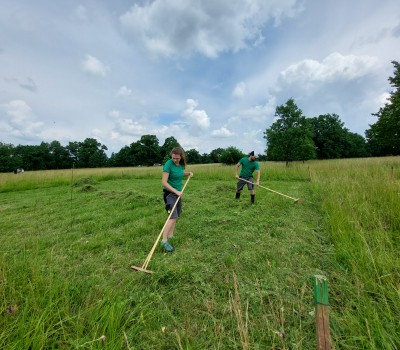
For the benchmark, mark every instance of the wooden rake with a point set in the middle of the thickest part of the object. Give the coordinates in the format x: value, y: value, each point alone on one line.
x: 268, y: 189
x: 143, y: 268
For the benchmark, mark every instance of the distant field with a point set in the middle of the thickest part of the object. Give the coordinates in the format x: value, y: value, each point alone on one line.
x: 241, y: 275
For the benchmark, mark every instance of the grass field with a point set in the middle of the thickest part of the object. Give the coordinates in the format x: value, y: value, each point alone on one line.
x: 240, y: 276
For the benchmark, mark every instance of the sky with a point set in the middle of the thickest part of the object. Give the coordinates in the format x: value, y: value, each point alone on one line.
x: 209, y: 73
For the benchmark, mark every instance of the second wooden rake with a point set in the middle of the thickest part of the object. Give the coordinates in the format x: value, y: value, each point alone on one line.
x: 268, y: 189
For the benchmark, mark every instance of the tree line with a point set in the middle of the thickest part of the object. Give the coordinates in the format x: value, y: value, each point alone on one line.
x: 292, y: 137
x: 92, y: 154
x: 295, y: 137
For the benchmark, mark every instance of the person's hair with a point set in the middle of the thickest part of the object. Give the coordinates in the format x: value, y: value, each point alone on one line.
x: 180, y: 152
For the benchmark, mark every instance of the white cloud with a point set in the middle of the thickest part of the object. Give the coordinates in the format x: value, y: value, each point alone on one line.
x: 258, y: 113
x: 114, y: 114
x: 240, y: 89
x: 222, y: 132
x: 333, y: 67
x: 94, y: 66
x: 125, y: 125
x: 129, y: 126
x: 196, y: 117
x: 254, y: 139
x: 18, y: 119
x: 185, y: 27
x: 124, y: 92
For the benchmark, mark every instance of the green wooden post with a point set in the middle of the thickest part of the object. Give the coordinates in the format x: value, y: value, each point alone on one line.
x: 322, y: 312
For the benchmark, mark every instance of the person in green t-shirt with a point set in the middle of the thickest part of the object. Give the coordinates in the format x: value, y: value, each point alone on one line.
x: 249, y: 165
x: 173, y: 173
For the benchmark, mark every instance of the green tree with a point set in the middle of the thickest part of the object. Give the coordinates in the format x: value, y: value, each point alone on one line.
x: 145, y: 151
x: 356, y: 146
x: 59, y: 157
x: 231, y: 155
x: 73, y: 150
x: 193, y: 156
x: 261, y: 157
x: 123, y: 158
x: 169, y: 144
x: 8, y: 161
x: 205, y: 158
x: 91, y: 154
x: 32, y: 157
x: 330, y: 136
x: 383, y: 137
x: 215, y: 155
x: 290, y: 137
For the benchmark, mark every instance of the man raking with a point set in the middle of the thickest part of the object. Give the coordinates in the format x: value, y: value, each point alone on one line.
x: 249, y: 165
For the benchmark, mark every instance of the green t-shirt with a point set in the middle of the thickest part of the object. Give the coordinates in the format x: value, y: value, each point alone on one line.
x: 175, y: 174
x: 248, y: 167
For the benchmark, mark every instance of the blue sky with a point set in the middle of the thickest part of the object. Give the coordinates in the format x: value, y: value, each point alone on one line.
x: 210, y: 73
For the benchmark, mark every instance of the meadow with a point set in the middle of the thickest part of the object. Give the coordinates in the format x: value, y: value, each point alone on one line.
x: 240, y: 276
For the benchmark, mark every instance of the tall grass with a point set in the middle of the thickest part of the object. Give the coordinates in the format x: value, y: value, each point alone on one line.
x: 361, y: 203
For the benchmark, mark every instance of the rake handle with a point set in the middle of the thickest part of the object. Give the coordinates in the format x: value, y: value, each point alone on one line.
x: 268, y: 189
x: 147, y: 261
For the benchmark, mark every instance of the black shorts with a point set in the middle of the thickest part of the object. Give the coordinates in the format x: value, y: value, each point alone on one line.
x: 241, y: 183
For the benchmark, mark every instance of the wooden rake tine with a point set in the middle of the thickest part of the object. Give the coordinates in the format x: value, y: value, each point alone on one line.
x: 147, y: 261
x: 268, y: 189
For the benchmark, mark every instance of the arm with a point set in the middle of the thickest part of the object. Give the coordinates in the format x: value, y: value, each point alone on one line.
x: 237, y: 170
x: 189, y: 173
x: 165, y: 183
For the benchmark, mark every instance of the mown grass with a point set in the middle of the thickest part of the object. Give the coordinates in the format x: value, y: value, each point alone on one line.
x: 241, y: 276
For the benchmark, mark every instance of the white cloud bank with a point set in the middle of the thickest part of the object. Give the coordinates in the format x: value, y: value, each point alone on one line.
x: 334, y: 67
x: 197, y: 118
x: 17, y: 119
x: 185, y: 27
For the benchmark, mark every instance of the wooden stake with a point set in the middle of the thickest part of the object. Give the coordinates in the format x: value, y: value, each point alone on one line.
x: 147, y: 261
x: 322, y: 313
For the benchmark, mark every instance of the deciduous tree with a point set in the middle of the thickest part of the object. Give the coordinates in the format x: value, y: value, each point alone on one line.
x: 231, y: 155
x: 193, y: 156
x: 169, y: 144
x: 329, y: 136
x: 91, y: 154
x: 290, y: 137
x: 8, y: 161
x: 383, y: 137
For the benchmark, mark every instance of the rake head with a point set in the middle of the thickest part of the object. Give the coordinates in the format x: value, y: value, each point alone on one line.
x: 141, y: 269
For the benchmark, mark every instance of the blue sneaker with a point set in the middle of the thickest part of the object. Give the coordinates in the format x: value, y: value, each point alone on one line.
x: 168, y: 247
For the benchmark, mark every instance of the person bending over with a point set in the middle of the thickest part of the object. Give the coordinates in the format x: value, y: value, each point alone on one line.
x: 249, y: 165
x: 173, y: 173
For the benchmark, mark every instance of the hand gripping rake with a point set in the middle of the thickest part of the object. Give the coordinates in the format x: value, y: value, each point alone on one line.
x: 268, y: 189
x: 147, y: 261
